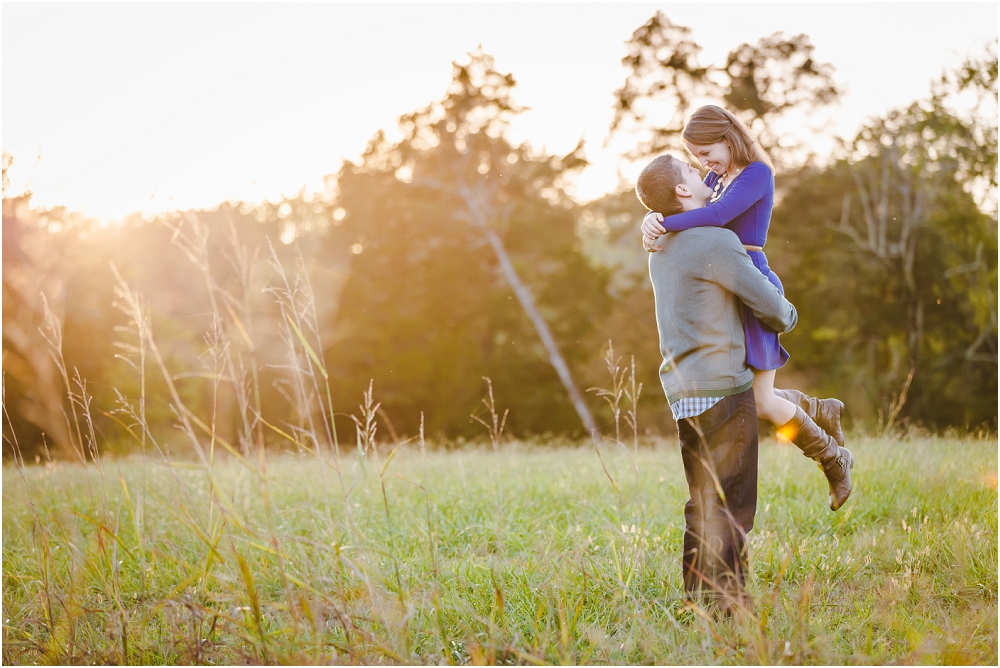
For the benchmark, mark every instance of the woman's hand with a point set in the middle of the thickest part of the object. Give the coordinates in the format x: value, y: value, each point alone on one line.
x: 652, y: 230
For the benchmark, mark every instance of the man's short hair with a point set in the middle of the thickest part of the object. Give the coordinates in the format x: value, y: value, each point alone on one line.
x: 656, y: 185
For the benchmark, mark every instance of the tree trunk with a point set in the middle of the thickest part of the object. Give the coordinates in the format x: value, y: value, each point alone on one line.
x: 527, y: 301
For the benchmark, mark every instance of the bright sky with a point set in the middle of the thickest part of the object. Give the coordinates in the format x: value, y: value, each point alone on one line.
x: 114, y: 108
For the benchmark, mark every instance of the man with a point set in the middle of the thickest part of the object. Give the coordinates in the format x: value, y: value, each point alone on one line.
x: 699, y: 279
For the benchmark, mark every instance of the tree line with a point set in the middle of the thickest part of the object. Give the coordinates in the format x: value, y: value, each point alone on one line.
x: 453, y: 255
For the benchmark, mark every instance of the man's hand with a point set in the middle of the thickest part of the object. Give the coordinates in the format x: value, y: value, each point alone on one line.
x: 652, y: 230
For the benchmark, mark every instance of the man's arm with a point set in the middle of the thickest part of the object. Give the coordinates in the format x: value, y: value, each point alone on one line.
x: 733, y: 269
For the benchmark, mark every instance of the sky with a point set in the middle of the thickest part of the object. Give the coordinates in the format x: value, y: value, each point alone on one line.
x: 110, y: 109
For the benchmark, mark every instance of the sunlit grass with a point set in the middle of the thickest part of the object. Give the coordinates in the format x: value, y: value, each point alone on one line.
x: 523, y: 555
x: 528, y: 552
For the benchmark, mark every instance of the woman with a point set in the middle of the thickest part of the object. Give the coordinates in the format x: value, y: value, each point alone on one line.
x: 742, y: 180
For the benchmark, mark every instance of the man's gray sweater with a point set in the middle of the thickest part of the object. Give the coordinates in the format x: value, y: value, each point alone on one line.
x: 699, y: 279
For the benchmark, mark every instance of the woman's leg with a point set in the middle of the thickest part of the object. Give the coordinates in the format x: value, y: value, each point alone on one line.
x: 770, y: 407
x: 801, y: 430
x: 825, y: 412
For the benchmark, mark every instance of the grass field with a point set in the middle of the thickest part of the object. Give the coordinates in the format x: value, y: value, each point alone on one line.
x: 524, y: 555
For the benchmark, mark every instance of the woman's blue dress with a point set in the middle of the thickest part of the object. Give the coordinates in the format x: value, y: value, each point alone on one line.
x: 745, y: 208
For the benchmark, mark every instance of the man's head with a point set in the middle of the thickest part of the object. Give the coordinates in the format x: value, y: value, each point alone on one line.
x: 668, y: 185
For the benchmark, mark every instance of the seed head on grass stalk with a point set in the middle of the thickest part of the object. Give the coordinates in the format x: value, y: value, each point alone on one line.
x: 184, y: 415
x: 51, y: 331
x: 187, y: 422
x: 497, y: 424
x: 896, y: 403
x: 495, y: 429
x: 297, y: 389
x: 80, y: 402
x: 80, y: 405
x: 309, y: 379
x: 191, y: 236
x: 133, y: 305
x: 632, y: 392
x: 134, y: 354
x: 366, y: 426
x: 613, y: 396
x: 242, y: 263
x: 310, y: 382
x: 297, y: 305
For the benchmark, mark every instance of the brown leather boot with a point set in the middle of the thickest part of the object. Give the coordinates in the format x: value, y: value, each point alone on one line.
x: 824, y: 412
x: 836, y: 461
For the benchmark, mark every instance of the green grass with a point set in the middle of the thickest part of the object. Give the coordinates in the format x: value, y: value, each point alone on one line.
x: 526, y: 555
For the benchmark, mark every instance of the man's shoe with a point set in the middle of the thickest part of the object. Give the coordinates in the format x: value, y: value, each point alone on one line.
x: 731, y: 607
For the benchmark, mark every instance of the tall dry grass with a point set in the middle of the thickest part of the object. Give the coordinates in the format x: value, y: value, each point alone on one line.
x: 393, y: 551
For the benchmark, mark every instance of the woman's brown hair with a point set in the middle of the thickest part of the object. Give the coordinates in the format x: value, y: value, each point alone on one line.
x: 711, y: 124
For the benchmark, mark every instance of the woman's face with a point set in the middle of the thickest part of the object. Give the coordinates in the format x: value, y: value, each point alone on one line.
x: 716, y: 157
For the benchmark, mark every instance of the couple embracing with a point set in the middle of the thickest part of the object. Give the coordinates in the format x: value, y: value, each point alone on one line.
x: 719, y: 310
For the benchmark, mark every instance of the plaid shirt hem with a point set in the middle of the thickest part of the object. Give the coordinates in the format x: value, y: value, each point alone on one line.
x: 689, y: 407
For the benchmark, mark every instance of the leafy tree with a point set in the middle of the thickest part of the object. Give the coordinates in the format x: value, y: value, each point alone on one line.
x: 893, y: 266
x: 34, y: 390
x: 466, y: 265
x: 759, y: 82
x: 59, y: 289
x: 961, y: 118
